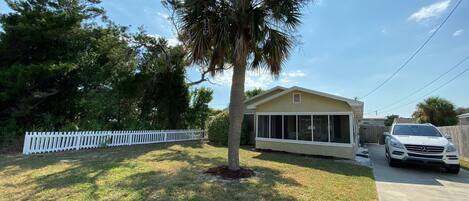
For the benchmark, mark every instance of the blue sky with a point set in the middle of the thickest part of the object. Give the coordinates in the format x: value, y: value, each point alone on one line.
x: 347, y: 48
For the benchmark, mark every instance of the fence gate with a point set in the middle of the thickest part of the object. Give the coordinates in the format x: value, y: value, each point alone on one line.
x: 372, y: 134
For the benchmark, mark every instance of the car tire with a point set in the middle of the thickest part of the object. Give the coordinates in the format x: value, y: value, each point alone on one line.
x: 453, y: 169
x: 391, y: 162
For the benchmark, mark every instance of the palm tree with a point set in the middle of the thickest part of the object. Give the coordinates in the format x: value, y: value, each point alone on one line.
x: 237, y: 34
x: 437, y: 111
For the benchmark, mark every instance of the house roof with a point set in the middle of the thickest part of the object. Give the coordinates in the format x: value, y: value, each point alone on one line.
x: 284, y: 91
x: 463, y: 115
x: 280, y: 88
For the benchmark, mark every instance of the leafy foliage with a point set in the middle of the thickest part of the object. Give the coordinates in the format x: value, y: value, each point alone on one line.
x: 435, y: 110
x: 253, y: 92
x: 218, y: 127
x: 199, y: 111
x: 65, y: 66
x: 390, y: 119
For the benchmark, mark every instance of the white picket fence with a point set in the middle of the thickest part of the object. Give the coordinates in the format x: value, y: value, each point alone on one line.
x: 43, y: 142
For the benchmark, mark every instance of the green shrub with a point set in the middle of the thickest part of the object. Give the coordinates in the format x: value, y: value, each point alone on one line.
x: 218, y: 127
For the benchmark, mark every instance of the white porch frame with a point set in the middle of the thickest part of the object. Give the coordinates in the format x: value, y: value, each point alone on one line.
x: 312, y: 142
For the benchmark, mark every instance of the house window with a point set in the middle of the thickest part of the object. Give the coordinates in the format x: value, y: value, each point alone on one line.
x: 320, y: 128
x: 289, y: 127
x: 276, y: 126
x: 296, y: 98
x: 339, y: 128
x: 315, y: 128
x: 304, y: 127
x: 263, y: 126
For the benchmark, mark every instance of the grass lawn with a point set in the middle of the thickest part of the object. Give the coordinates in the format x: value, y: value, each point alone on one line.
x: 174, y: 172
x: 465, y: 164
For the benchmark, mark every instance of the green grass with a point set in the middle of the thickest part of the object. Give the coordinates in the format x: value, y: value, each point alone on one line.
x: 174, y: 172
x: 465, y: 164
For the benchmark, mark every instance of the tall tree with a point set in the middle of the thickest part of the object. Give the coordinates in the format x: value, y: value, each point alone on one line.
x: 435, y: 110
x: 40, y: 45
x: 247, y: 34
x: 166, y: 95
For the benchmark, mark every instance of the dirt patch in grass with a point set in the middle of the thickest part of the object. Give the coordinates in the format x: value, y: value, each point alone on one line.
x: 225, y: 173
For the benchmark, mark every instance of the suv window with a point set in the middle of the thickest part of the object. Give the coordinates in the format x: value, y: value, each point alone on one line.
x: 416, y: 130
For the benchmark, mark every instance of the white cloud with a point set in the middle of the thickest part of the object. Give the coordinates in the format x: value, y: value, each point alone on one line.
x: 384, y: 30
x: 172, y: 41
x: 433, y: 10
x: 163, y: 15
x: 458, y: 32
x: 254, y: 79
x: 259, y: 79
x: 297, y: 73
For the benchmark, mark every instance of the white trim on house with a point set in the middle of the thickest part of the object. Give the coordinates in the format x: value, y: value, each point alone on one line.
x: 351, y: 102
x: 332, y: 144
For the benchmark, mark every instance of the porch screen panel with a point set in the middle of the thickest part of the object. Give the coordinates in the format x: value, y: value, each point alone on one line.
x: 340, y: 128
x: 304, y: 127
x: 276, y: 126
x: 289, y: 127
x: 320, y: 128
x: 263, y: 126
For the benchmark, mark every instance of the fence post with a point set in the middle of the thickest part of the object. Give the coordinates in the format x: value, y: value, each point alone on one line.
x: 165, y: 136
x: 78, y: 145
x: 130, y: 137
x: 27, y: 143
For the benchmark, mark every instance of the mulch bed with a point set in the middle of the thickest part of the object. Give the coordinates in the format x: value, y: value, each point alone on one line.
x: 225, y: 173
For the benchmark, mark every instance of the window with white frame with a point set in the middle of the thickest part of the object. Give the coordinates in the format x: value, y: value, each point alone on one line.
x: 333, y: 128
x: 276, y: 126
x: 339, y: 126
x: 320, y: 128
x: 296, y: 98
x: 289, y: 127
x: 263, y: 126
x: 304, y: 127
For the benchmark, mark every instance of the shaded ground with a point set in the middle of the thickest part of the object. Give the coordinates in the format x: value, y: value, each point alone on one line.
x: 412, y: 182
x: 175, y: 172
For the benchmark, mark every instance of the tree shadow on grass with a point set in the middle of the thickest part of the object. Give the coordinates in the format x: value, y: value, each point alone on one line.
x: 185, y: 182
x: 319, y: 163
x: 189, y: 184
x: 31, y: 162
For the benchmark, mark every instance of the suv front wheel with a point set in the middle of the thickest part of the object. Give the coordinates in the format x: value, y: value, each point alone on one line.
x: 391, y: 162
x: 453, y: 169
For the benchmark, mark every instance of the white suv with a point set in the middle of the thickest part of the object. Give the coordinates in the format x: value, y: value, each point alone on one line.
x: 420, y: 143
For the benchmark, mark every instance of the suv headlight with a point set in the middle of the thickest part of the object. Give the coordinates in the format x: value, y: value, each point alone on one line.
x: 395, y: 143
x: 450, y: 147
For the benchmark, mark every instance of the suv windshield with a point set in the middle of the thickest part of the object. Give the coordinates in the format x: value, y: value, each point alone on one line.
x: 416, y: 130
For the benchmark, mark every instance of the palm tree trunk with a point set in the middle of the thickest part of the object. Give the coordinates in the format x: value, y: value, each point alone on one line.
x: 236, y: 110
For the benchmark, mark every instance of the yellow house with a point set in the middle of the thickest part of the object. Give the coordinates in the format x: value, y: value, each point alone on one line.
x: 304, y: 121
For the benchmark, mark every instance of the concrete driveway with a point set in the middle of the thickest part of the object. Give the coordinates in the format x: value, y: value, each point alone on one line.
x: 411, y: 182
